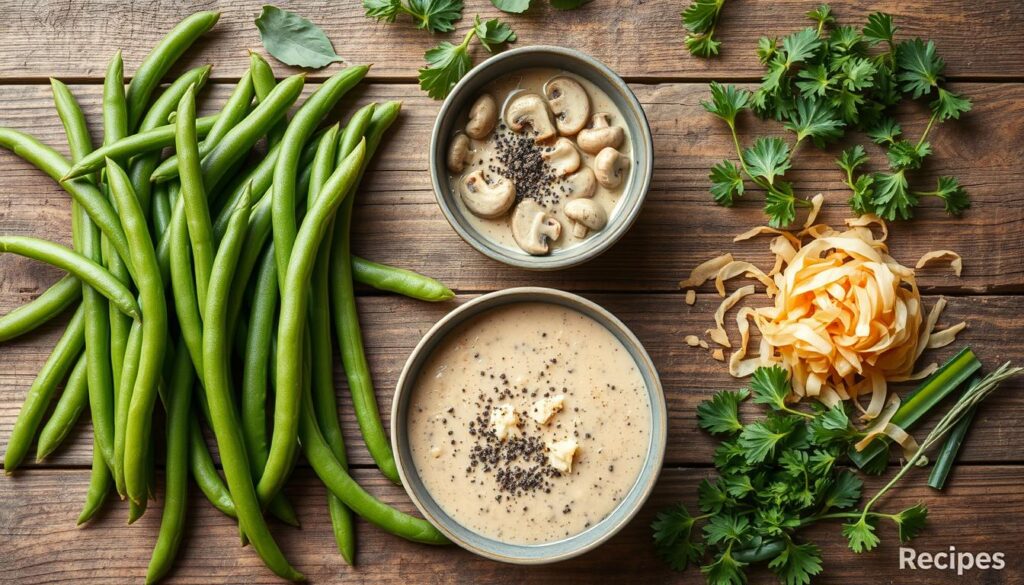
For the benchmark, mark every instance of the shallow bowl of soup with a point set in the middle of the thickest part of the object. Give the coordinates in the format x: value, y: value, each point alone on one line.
x: 529, y: 425
x: 541, y: 158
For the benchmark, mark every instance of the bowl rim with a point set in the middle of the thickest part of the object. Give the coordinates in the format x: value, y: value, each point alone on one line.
x: 648, y: 476
x: 641, y: 143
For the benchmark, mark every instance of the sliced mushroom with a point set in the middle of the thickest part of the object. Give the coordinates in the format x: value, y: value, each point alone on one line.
x: 533, y: 228
x: 600, y: 135
x: 563, y: 157
x: 569, y: 103
x: 586, y: 214
x: 458, y: 152
x: 483, y: 116
x: 529, y: 109
x: 609, y: 167
x: 582, y: 183
x: 487, y: 199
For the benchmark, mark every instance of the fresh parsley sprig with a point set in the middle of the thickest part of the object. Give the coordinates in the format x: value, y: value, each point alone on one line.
x: 521, y: 6
x: 436, y: 16
x: 447, y: 63
x: 700, y: 18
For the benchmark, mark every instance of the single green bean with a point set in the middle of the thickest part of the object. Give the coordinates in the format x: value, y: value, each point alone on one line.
x: 154, y: 332
x: 85, y: 269
x: 257, y: 360
x: 65, y: 415
x: 346, y: 314
x: 234, y: 110
x: 341, y: 484
x: 129, y: 372
x: 41, y: 309
x: 263, y: 81
x: 64, y: 355
x: 193, y: 195
x: 159, y: 114
x: 163, y: 56
x: 161, y: 208
x: 99, y: 485
x: 84, y: 193
x: 145, y: 142
x: 179, y: 417
x: 225, y: 422
x: 204, y: 472
x: 115, y: 107
x: 73, y: 120
x: 399, y: 280
x: 300, y: 129
x: 294, y: 300
x: 183, y: 290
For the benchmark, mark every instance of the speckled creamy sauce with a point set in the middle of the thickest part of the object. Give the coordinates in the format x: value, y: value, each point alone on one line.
x: 516, y: 355
x: 483, y: 154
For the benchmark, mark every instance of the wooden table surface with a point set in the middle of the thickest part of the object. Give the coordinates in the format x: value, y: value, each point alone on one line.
x: 398, y: 222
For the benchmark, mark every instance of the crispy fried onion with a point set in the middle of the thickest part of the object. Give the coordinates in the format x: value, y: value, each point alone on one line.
x: 846, y: 321
x: 705, y: 271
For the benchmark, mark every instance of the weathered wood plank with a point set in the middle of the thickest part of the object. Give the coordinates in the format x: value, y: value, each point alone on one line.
x: 636, y: 38
x: 393, y: 326
x: 398, y: 220
x: 40, y: 544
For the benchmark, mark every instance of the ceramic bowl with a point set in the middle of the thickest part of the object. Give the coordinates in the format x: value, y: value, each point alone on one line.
x: 533, y: 553
x: 453, y: 113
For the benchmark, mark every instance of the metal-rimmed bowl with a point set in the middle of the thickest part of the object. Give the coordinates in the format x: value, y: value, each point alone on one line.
x: 533, y: 553
x: 641, y: 152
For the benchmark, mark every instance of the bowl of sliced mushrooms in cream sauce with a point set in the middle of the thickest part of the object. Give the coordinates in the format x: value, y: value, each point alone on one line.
x: 541, y: 158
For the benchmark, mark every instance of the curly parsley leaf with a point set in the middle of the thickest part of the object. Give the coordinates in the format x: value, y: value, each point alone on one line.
x: 770, y: 385
x: 293, y: 40
x: 759, y: 439
x: 797, y: 564
x: 447, y: 63
x: 852, y: 158
x: 382, y: 10
x: 892, y: 198
x: 726, y: 183
x: 673, y: 538
x: 844, y: 493
x: 953, y: 195
x: 767, y: 158
x: 712, y: 497
x: 920, y: 69
x: 721, y: 415
x: 700, y: 18
x: 863, y: 192
x: 726, y: 528
x: 726, y: 101
x: 725, y: 570
x: 822, y: 15
x: 861, y: 535
x: 880, y: 28
x: 831, y: 425
x: 911, y: 521
x: 780, y: 204
x: 817, y: 80
x: 949, y: 105
x: 904, y: 154
x: 493, y: 32
x: 815, y: 120
x: 885, y: 131
x: 800, y: 46
x: 436, y: 16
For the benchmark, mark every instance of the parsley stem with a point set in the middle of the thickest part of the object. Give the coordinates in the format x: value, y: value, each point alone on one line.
x: 927, y: 129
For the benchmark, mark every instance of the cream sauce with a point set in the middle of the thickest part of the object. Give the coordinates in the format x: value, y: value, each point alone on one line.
x: 519, y: 357
x: 483, y: 154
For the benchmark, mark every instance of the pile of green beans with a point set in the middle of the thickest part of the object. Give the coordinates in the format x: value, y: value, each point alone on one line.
x: 211, y: 269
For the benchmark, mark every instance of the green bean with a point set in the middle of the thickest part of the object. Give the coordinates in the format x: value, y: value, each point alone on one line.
x: 163, y: 56
x: 257, y: 359
x: 179, y: 418
x: 64, y: 355
x: 346, y: 315
x: 85, y: 269
x: 294, y: 300
x: 244, y: 135
x: 99, y: 485
x: 341, y: 484
x: 184, y: 292
x: 225, y: 422
x: 321, y: 353
x: 41, y: 309
x: 84, y: 193
x: 263, y: 81
x: 65, y: 415
x: 73, y: 120
x: 204, y: 472
x: 154, y: 331
x: 115, y: 107
x: 159, y: 114
x: 161, y: 208
x: 399, y: 280
x: 193, y: 195
x: 234, y: 110
x: 299, y: 131
x: 126, y: 381
x: 144, y: 142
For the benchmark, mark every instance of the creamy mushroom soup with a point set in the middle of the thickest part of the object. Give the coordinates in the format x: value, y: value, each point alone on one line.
x: 541, y: 161
x: 529, y: 423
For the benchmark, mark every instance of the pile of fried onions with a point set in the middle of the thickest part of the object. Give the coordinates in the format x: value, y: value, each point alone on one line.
x: 847, y: 317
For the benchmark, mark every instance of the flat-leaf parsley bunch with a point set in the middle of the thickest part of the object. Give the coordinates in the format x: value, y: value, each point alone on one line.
x: 776, y: 475
x: 822, y: 80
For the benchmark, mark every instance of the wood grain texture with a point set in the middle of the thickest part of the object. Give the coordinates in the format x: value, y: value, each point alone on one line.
x: 40, y: 544
x: 398, y: 220
x: 392, y: 327
x: 637, y: 38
